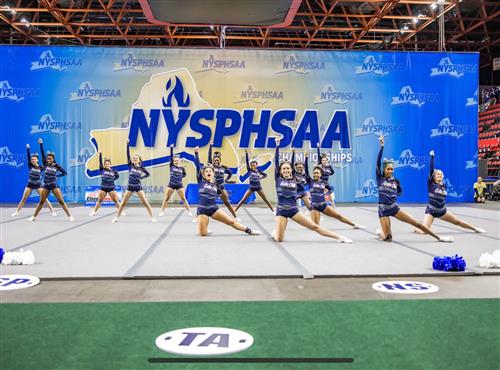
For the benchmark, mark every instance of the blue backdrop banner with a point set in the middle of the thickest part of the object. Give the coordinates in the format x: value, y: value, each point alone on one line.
x: 83, y: 100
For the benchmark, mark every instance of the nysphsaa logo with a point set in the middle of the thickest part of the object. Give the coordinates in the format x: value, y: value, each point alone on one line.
x: 368, y: 190
x: 8, y: 158
x: 446, y: 128
x: 407, y: 159
x: 87, y: 91
x: 49, y: 124
x: 259, y: 96
x: 48, y: 60
x: 130, y: 61
x: 221, y: 65
x: 330, y: 95
x: 376, y: 66
x: 300, y: 66
x: 405, y: 287
x: 472, y: 101
x: 454, y: 191
x: 16, y: 94
x: 204, y: 341
x: 408, y: 96
x: 472, y: 163
x: 81, y: 158
x: 446, y: 67
x: 371, y: 127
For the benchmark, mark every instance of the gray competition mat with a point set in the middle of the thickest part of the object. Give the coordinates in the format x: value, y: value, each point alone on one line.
x: 93, y: 247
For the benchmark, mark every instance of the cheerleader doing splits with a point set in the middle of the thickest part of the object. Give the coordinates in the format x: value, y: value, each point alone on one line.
x: 254, y: 177
x: 388, y: 190
x: 208, y: 191
x: 286, y: 190
x: 135, y: 174
x: 51, y: 173
x: 436, y: 207
x: 177, y: 173
x: 34, y: 182
x: 317, y: 188
x: 108, y: 177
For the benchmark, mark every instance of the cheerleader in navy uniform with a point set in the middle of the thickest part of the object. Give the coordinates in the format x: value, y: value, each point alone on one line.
x: 317, y: 189
x: 328, y: 171
x: 177, y: 173
x: 286, y: 190
x: 34, y: 182
x: 135, y: 174
x: 108, y: 177
x: 300, y: 175
x: 388, y: 190
x: 51, y: 172
x: 254, y: 177
x: 436, y: 208
x: 220, y: 177
x: 208, y: 191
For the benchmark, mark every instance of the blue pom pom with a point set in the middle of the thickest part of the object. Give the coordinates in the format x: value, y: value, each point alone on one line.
x: 2, y: 252
x: 446, y: 263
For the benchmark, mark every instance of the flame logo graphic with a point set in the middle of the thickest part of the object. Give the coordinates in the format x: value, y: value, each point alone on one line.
x: 177, y: 93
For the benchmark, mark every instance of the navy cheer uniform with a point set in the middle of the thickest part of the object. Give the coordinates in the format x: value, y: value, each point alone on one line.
x: 135, y: 174
x: 317, y: 191
x: 220, y: 172
x: 51, y: 172
x: 108, y: 177
x: 388, y: 191
x: 177, y: 173
x: 254, y: 176
x: 286, y: 190
x: 207, y: 192
x: 35, y: 175
x: 327, y: 172
x: 437, y: 195
x: 301, y: 180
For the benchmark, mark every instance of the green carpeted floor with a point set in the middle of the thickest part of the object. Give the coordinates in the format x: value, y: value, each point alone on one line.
x: 409, y: 334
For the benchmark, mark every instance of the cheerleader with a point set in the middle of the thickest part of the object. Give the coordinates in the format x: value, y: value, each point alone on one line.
x: 317, y: 189
x: 436, y: 207
x: 51, y: 172
x: 136, y: 174
x: 108, y: 177
x: 328, y: 171
x: 208, y: 191
x: 302, y: 193
x: 254, y: 177
x: 177, y: 173
x: 220, y: 177
x: 388, y: 190
x: 286, y: 189
x: 34, y: 182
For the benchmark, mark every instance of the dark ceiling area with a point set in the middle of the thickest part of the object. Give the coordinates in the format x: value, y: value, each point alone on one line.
x: 412, y: 25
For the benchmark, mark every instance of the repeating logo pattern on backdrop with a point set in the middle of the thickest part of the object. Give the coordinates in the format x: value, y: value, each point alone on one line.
x: 47, y: 60
x: 375, y: 65
x: 371, y: 127
x: 49, y: 124
x: 301, y: 66
x: 8, y: 158
x: 259, y: 96
x: 446, y: 67
x: 130, y: 62
x: 221, y: 65
x: 16, y: 94
x: 87, y: 92
x: 408, y: 96
x: 330, y: 95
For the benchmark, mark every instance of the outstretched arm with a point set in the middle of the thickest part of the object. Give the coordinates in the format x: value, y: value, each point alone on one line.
x: 29, y: 156
x: 379, y: 157
x: 197, y: 164
x: 277, y: 159
x: 128, y: 153
x: 247, y: 161
x: 306, y: 166
x: 210, y: 152
x: 171, y: 155
x: 101, y: 167
x: 319, y: 154
x: 431, y: 165
x: 42, y: 152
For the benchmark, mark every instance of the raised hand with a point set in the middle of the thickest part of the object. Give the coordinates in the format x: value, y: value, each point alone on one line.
x: 381, y: 140
x: 127, y: 141
x: 431, y: 153
x: 27, y: 146
x: 40, y: 140
x: 196, y: 149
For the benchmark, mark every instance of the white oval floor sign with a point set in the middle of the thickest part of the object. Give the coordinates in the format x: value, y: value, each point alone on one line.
x: 12, y: 282
x: 204, y: 341
x: 405, y: 287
